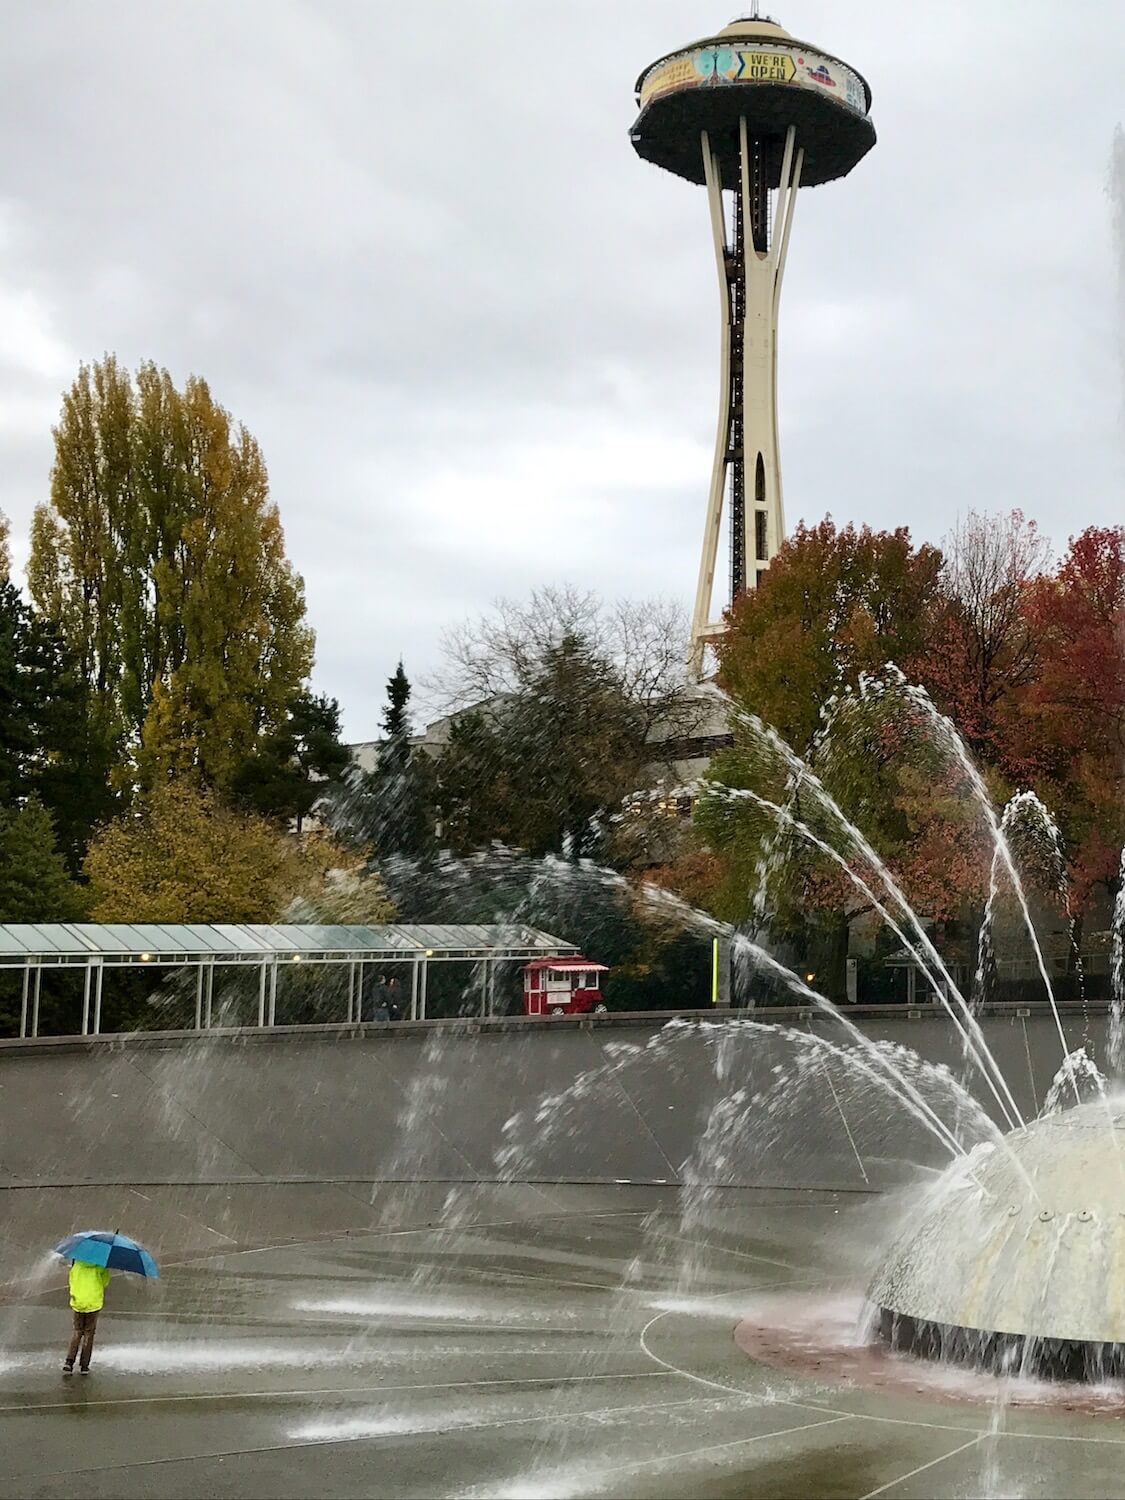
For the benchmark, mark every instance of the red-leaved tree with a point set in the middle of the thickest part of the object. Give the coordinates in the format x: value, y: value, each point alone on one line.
x: 981, y: 649
x: 1071, y: 740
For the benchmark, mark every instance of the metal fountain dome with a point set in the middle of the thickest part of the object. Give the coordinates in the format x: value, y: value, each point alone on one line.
x: 1020, y: 1252
x: 753, y: 68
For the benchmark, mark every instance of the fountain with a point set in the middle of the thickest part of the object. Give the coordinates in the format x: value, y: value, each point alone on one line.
x: 997, y: 1276
x: 1011, y: 1260
x: 662, y: 1248
x: 1014, y: 1259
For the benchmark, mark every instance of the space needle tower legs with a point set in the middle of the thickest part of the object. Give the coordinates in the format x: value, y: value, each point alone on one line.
x: 746, y: 472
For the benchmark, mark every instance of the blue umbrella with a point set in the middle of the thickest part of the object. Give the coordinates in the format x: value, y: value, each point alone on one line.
x: 104, y: 1247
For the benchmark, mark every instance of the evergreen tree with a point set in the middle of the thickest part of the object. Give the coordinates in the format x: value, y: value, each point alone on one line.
x: 34, y: 884
x: 35, y: 887
x: 17, y: 726
x: 579, y: 745
x: 45, y: 745
x: 72, y: 772
x: 548, y: 767
x: 287, y: 772
x: 396, y: 720
x: 397, y: 796
x: 478, y: 789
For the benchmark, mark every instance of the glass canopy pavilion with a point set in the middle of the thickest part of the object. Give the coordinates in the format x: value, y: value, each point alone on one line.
x: 94, y: 947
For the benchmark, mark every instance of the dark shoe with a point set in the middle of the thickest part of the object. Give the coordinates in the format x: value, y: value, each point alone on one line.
x: 68, y: 1367
x: 83, y: 1370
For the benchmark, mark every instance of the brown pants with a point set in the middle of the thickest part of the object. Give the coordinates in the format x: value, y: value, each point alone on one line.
x: 85, y: 1325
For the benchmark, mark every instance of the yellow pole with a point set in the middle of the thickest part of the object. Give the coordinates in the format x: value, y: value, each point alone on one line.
x: 715, y: 972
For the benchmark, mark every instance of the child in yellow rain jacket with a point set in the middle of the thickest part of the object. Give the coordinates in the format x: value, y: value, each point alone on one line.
x: 87, y: 1293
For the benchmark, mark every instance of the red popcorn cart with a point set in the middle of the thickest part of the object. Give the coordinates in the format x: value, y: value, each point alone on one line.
x: 563, y: 987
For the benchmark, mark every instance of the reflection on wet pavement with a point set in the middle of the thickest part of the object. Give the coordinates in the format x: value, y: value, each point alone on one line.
x: 558, y: 1354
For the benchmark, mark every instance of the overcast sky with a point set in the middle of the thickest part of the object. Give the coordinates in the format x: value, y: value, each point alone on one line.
x: 410, y: 246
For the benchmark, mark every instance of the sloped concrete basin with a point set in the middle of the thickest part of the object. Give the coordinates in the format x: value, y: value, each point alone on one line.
x: 1017, y: 1257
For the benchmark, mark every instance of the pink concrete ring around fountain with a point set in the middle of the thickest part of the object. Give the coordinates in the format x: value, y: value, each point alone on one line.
x: 828, y: 1339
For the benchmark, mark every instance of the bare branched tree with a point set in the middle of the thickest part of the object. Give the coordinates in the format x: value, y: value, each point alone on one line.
x: 497, y: 655
x: 989, y: 562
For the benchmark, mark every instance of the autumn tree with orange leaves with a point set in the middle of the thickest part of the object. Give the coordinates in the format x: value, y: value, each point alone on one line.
x: 836, y: 602
x: 1027, y: 661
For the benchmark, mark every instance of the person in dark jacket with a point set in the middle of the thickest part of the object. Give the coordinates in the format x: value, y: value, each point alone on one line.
x: 380, y: 1008
x: 394, y: 1000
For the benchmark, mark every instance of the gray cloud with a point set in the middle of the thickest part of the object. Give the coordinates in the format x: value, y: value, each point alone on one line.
x: 478, y: 339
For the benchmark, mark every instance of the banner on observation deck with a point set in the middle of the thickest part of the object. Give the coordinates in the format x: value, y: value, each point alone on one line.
x: 720, y: 66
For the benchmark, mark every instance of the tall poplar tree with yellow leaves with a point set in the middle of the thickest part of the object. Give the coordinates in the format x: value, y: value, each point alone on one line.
x: 161, y: 558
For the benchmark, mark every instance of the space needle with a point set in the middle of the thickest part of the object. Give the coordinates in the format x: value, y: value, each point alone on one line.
x: 753, y: 113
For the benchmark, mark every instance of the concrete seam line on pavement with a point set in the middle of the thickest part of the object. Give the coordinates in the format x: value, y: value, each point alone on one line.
x: 332, y: 1442
x: 304, y: 1393
x: 921, y: 1469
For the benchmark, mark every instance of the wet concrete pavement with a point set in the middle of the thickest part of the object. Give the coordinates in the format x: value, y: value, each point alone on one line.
x: 376, y: 1284
x: 583, y: 1349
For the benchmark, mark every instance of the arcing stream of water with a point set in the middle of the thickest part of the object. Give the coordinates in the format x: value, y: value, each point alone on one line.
x: 932, y: 964
x: 1117, y: 976
x: 1025, y: 1172
x: 918, y: 1291
x: 947, y: 728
